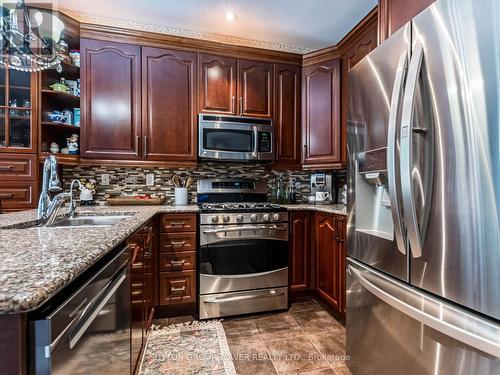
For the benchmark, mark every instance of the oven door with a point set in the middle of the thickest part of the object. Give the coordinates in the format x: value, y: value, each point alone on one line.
x: 235, y: 142
x: 238, y: 258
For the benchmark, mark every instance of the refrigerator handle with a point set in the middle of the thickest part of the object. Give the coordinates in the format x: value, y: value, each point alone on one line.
x: 391, y: 150
x: 406, y: 162
x: 459, y: 333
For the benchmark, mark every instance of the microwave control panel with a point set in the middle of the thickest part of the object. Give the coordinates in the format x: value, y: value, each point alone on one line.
x: 265, y: 142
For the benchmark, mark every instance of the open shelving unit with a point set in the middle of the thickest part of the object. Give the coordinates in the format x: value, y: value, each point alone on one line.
x: 51, y: 100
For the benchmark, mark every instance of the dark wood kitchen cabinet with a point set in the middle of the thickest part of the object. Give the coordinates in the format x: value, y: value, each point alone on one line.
x: 142, y: 288
x: 287, y: 126
x: 235, y: 86
x: 255, y: 88
x: 169, y: 105
x: 111, y: 100
x: 300, y: 242
x: 177, y: 254
x: 362, y: 43
x: 321, y: 115
x: 340, y: 225
x: 328, y: 271
x: 393, y: 14
x: 217, y: 84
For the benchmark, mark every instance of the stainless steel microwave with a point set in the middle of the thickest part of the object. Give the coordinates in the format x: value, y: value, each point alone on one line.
x: 235, y: 138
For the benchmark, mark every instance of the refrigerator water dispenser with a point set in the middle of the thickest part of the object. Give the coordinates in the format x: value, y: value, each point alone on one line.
x: 373, y: 207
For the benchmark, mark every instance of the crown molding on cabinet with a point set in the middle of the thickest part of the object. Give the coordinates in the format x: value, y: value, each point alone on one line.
x: 339, y: 49
x: 186, y: 33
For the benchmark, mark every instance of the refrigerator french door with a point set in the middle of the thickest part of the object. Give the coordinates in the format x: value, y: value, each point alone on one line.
x: 423, y: 239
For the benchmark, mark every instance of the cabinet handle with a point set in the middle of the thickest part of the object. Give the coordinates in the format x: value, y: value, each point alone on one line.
x: 145, y: 145
x: 6, y: 167
x: 341, y: 231
x: 178, y: 243
x: 177, y: 263
x: 176, y: 289
x: 7, y: 196
x: 233, y: 104
x: 177, y: 223
x: 137, y: 143
x: 241, y: 105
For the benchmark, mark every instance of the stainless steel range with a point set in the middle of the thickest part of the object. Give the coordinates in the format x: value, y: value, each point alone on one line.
x: 243, y: 249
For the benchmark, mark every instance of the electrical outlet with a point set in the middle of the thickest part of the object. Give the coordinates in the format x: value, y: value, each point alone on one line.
x: 150, y: 179
x: 105, y: 179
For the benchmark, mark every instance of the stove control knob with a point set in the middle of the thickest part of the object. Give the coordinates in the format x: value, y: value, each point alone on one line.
x: 253, y: 217
x: 215, y: 219
x: 226, y: 218
x: 276, y: 217
x: 266, y: 217
x: 239, y: 218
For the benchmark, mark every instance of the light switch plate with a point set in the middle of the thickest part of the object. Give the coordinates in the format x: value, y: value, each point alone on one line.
x: 150, y: 179
x: 105, y: 179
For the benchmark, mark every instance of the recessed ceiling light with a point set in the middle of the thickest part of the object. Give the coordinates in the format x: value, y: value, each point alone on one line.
x: 231, y: 16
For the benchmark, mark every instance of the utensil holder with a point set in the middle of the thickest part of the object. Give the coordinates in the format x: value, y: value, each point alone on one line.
x: 181, y: 196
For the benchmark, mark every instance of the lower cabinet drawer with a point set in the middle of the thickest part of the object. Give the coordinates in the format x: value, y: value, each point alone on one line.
x: 18, y: 194
x: 177, y: 261
x: 178, y: 241
x: 137, y: 288
x: 178, y: 223
x: 18, y: 167
x: 177, y: 287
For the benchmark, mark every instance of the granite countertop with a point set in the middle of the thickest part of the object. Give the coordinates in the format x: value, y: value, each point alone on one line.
x: 338, y: 209
x: 38, y: 262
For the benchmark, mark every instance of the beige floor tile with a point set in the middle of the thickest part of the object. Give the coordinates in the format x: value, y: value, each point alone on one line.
x: 331, y: 345
x: 310, y: 305
x: 295, y: 356
x: 316, y: 321
x: 277, y: 327
x: 252, y: 359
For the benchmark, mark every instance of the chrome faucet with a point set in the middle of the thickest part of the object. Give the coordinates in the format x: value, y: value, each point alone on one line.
x: 72, y: 203
x: 47, y: 207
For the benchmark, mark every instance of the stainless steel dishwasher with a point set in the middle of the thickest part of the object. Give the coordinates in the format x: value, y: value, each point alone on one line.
x: 88, y: 332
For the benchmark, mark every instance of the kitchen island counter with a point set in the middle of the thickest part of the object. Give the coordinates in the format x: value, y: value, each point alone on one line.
x: 337, y: 209
x: 38, y: 262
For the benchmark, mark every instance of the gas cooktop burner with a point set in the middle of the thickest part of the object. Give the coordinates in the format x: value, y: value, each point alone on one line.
x: 236, y: 206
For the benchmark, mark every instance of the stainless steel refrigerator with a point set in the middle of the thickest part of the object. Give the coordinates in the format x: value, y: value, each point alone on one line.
x: 423, y: 245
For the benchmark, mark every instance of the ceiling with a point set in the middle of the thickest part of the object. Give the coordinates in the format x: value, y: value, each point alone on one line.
x: 293, y: 25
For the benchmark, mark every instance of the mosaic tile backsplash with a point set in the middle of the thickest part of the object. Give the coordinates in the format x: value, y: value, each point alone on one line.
x: 132, y: 181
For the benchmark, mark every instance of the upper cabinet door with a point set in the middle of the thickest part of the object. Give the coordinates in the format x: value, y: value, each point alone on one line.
x: 287, y: 116
x: 321, y: 114
x: 217, y: 84
x: 255, y: 88
x: 169, y: 105
x: 111, y: 100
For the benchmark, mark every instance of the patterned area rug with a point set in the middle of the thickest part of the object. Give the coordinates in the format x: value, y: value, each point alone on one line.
x: 190, y: 348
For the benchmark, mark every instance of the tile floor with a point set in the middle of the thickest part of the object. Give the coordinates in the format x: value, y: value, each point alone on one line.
x: 304, y: 340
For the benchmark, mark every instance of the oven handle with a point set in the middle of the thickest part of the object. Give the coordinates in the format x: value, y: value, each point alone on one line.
x: 271, y: 293
x: 110, y: 289
x: 253, y: 227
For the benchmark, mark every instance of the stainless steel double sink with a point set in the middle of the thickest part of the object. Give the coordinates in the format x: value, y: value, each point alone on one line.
x: 79, y: 221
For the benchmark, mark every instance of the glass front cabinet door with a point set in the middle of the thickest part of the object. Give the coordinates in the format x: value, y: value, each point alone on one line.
x: 17, y: 94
